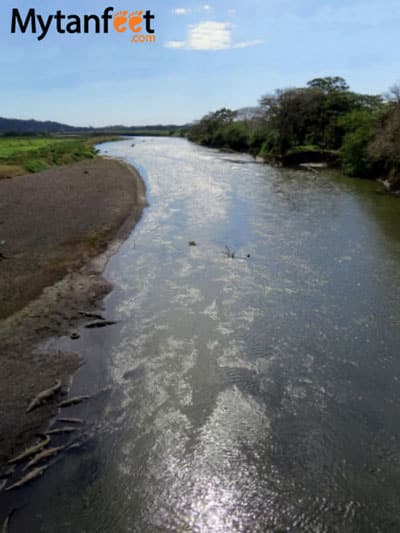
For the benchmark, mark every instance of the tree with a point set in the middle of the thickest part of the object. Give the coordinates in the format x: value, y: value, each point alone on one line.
x: 360, y: 128
x: 385, y: 148
x: 324, y: 117
x: 329, y: 84
x: 206, y: 131
x: 394, y: 94
x: 289, y: 113
x: 236, y: 136
x: 306, y: 115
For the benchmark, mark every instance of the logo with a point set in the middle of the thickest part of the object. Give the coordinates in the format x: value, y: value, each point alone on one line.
x: 134, y: 21
x: 138, y: 24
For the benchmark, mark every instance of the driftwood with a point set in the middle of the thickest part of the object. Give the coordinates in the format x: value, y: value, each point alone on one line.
x: 229, y: 253
x: 44, y: 395
x: 100, y: 324
x: 311, y: 169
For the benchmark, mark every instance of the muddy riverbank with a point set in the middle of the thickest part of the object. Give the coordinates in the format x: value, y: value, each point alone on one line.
x: 58, y: 230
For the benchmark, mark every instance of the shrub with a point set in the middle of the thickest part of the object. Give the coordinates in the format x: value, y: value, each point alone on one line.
x: 236, y: 136
x: 36, y: 165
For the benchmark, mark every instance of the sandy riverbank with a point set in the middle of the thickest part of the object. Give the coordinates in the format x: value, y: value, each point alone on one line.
x: 59, y: 228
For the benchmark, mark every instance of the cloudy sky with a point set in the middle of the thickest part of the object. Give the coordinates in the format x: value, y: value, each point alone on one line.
x: 207, y: 55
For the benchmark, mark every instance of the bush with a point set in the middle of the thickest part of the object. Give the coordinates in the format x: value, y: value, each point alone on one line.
x: 236, y: 136
x: 36, y: 165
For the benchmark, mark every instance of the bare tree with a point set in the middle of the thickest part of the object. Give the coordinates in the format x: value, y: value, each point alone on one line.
x: 394, y: 93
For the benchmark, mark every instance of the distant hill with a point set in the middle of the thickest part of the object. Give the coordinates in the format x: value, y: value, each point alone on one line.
x: 24, y: 127
x: 13, y: 125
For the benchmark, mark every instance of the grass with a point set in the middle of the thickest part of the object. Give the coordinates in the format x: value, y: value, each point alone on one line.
x: 310, y: 148
x: 20, y: 155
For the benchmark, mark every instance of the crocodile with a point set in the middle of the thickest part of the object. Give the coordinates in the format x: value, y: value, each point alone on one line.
x: 65, y: 429
x: 30, y: 476
x: 71, y: 420
x: 4, y: 528
x: 73, y: 401
x: 44, y: 395
x: 77, y: 444
x: 30, y: 451
x: 49, y: 452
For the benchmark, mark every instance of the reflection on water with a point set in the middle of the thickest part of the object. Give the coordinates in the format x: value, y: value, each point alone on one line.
x: 248, y: 394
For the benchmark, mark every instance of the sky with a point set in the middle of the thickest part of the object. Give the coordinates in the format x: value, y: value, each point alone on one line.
x: 207, y: 55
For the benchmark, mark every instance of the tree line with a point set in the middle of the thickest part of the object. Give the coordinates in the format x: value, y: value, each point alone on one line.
x: 13, y: 127
x: 324, y: 121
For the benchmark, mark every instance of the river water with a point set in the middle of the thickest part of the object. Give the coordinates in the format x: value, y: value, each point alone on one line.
x: 254, y: 393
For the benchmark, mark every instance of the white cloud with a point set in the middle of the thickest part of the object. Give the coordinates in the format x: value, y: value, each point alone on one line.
x: 175, y: 44
x: 246, y: 44
x: 210, y: 35
x: 206, y: 7
x: 181, y: 11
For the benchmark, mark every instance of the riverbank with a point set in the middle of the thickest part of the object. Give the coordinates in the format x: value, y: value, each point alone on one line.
x: 322, y: 122
x: 313, y: 161
x: 59, y: 227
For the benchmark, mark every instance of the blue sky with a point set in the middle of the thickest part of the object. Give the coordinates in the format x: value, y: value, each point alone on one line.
x: 209, y: 54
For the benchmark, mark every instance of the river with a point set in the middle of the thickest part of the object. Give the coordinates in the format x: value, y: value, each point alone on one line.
x: 253, y: 393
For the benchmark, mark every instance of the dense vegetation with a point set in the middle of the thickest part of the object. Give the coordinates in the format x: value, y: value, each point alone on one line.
x: 324, y: 121
x: 19, y: 155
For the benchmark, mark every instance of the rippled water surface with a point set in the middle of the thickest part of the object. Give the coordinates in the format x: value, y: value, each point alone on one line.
x: 253, y: 394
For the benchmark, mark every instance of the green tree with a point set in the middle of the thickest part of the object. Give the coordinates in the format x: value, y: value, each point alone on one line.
x: 311, y: 115
x: 206, y: 131
x: 236, y: 136
x: 360, y: 128
x: 329, y: 84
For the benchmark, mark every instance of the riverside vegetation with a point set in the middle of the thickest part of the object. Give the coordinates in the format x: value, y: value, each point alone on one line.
x: 24, y: 154
x: 322, y: 122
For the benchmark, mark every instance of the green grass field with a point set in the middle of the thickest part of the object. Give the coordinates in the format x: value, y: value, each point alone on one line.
x: 19, y: 155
